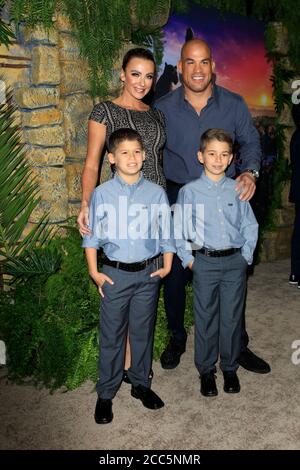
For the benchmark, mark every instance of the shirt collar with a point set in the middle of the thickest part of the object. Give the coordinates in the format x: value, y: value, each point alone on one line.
x: 119, y: 180
x: 210, y: 183
x: 215, y: 96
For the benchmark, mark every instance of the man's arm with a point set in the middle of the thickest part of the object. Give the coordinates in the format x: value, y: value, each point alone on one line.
x: 250, y: 150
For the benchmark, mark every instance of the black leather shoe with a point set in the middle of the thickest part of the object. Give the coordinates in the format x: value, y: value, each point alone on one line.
x: 147, y: 396
x: 208, y: 385
x: 127, y: 380
x: 231, y: 382
x: 170, y: 358
x: 248, y: 360
x: 294, y: 279
x: 103, y: 411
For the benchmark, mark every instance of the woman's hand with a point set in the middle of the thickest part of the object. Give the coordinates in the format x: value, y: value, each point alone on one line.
x: 83, y: 220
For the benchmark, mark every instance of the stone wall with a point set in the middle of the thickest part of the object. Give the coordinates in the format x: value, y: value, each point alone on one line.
x: 50, y: 86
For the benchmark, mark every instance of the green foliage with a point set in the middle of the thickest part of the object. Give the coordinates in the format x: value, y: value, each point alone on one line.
x: 50, y: 324
x: 18, y: 198
x: 34, y: 11
x: 6, y: 35
x: 101, y: 27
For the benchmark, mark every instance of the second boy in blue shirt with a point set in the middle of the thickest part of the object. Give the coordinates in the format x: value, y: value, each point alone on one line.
x: 223, y: 231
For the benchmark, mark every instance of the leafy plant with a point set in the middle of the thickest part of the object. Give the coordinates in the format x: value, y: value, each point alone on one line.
x: 18, y: 198
x: 6, y: 35
x: 51, y: 327
x: 101, y: 27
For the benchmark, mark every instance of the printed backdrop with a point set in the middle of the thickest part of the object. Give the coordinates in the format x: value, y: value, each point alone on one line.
x: 238, y: 49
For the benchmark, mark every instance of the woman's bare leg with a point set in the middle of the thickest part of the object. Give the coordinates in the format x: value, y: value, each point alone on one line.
x: 127, y: 362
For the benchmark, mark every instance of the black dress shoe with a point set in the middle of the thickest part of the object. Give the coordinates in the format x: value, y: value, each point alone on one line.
x: 294, y: 279
x: 248, y: 360
x: 170, y: 358
x: 127, y: 380
x: 231, y: 382
x: 208, y: 385
x: 103, y: 411
x: 147, y: 396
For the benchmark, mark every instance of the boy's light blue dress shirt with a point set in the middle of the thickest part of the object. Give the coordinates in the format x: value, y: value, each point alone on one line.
x: 131, y: 223
x: 210, y: 214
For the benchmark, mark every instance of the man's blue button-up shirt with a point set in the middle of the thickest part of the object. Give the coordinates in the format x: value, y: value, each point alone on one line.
x: 131, y: 222
x: 224, y: 110
x: 210, y: 214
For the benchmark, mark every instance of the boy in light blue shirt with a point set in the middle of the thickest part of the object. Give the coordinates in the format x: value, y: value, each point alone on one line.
x: 130, y: 220
x: 211, y: 219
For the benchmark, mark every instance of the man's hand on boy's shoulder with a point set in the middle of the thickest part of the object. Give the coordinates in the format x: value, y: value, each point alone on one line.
x: 246, y: 186
x: 100, y: 280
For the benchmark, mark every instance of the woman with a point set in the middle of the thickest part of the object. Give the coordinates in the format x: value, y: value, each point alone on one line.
x: 128, y: 110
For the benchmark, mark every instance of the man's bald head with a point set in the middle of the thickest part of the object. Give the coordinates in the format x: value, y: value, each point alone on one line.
x: 194, y: 43
x: 196, y: 67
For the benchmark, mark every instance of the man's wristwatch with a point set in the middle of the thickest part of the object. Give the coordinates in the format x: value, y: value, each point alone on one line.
x: 254, y: 173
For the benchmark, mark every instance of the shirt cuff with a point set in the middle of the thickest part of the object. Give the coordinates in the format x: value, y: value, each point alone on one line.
x: 247, y: 256
x: 167, y: 249
x: 90, y: 244
x: 187, y: 259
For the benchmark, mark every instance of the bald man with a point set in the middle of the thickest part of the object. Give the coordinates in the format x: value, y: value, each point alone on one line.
x: 198, y: 105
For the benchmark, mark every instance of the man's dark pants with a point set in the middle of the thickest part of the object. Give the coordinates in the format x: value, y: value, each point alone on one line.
x: 295, y: 248
x: 174, y: 291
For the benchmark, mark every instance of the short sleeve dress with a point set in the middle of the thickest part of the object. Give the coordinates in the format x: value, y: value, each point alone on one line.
x: 149, y: 124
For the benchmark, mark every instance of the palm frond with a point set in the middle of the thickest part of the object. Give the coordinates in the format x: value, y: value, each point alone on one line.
x: 43, y: 262
x: 18, y: 198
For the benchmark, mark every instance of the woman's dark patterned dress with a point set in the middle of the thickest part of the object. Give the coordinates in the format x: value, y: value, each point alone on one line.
x: 149, y: 124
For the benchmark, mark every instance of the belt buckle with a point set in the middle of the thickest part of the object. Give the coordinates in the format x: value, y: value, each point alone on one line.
x: 208, y: 253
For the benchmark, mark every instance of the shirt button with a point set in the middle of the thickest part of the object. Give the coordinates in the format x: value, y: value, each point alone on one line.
x: 131, y: 243
x: 222, y: 222
x: 220, y: 210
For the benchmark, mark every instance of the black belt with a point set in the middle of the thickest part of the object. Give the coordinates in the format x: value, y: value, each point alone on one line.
x: 218, y: 253
x: 131, y: 267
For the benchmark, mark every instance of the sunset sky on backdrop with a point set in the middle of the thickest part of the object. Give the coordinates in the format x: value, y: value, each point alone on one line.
x: 238, y: 49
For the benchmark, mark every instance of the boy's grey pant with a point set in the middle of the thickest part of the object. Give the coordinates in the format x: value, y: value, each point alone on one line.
x: 219, y: 286
x: 129, y: 305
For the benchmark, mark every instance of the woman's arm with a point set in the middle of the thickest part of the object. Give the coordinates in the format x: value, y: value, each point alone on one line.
x: 96, y: 142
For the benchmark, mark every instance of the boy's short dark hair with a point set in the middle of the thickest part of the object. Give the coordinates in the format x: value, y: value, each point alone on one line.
x: 117, y: 137
x: 215, y: 134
